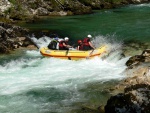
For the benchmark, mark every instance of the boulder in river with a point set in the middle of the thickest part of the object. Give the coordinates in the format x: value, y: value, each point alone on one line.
x: 135, y: 99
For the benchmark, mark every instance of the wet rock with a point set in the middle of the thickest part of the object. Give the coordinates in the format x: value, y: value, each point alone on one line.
x: 131, y: 48
x: 77, y: 8
x: 55, y: 13
x: 136, y: 87
x: 4, y: 5
x: 138, y: 59
x: 32, y: 47
x: 138, y: 75
x: 135, y: 99
x: 101, y: 109
x: 146, y: 55
x: 42, y: 11
x: 12, y: 37
x: 135, y: 60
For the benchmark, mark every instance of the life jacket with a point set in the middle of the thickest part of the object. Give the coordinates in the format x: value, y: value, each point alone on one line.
x: 61, y: 44
x: 80, y: 47
x: 85, y: 42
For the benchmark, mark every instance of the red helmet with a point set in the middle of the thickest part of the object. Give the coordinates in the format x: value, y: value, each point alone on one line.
x: 79, y: 41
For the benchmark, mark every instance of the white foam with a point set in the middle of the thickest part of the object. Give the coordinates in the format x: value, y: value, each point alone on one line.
x: 41, y: 42
x: 22, y: 74
x: 143, y: 5
x: 32, y: 72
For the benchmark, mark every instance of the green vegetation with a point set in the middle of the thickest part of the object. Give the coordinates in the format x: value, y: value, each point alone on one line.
x: 33, y: 5
x: 12, y: 1
x: 2, y: 19
x: 62, y: 1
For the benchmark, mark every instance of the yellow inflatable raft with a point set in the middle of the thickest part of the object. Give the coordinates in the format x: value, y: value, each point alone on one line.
x: 73, y: 54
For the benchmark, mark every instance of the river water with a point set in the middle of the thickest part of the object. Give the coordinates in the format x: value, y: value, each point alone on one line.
x: 30, y: 83
x: 126, y: 23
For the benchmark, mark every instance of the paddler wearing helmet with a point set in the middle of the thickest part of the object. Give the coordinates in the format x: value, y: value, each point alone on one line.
x: 63, y: 45
x: 80, y: 45
x: 87, y: 44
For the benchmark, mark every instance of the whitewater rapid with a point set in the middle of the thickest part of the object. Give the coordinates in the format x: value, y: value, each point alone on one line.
x: 35, y: 84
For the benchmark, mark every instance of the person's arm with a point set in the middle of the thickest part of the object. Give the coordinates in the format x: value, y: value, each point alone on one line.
x: 64, y: 44
x: 77, y: 47
x: 91, y: 45
x: 68, y: 46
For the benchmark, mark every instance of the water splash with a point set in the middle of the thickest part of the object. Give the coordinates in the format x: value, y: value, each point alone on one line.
x: 37, y: 84
x: 41, y: 42
x: 142, y: 5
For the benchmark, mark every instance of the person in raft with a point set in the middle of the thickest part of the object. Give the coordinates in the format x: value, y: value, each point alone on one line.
x: 53, y: 44
x: 80, y: 45
x: 63, y: 45
x: 87, y: 44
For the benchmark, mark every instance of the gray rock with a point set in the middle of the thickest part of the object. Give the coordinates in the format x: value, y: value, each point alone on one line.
x: 135, y: 99
x: 42, y: 11
x: 12, y: 37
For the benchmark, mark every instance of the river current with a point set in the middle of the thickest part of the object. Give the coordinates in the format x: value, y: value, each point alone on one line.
x: 30, y: 83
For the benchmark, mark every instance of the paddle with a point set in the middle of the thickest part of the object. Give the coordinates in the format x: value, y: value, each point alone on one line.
x: 68, y: 50
x: 90, y: 54
x: 69, y: 58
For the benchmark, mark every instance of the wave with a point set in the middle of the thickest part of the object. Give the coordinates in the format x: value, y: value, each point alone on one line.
x: 32, y: 83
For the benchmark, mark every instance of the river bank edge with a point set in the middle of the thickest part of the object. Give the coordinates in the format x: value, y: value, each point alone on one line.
x: 128, y: 88
x: 132, y: 93
x: 30, y: 11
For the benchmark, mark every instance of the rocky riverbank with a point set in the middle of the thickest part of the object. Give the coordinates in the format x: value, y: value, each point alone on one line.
x: 30, y: 10
x: 13, y: 37
x: 132, y: 94
x: 135, y: 99
x: 134, y: 91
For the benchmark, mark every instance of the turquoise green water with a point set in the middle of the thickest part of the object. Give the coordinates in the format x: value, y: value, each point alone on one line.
x: 126, y: 23
x: 30, y: 83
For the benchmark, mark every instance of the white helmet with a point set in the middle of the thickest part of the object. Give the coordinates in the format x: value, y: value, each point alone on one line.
x: 66, y: 38
x: 89, y: 36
